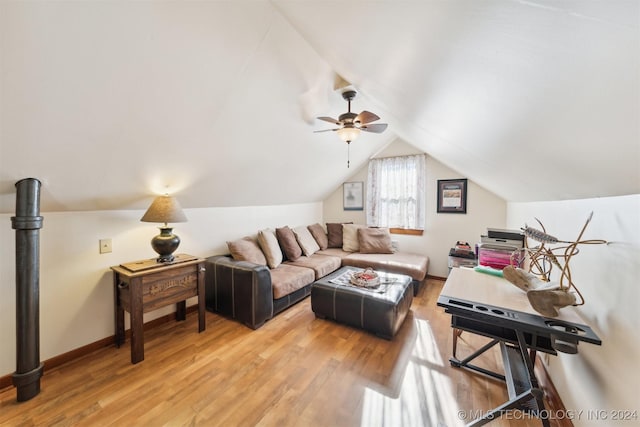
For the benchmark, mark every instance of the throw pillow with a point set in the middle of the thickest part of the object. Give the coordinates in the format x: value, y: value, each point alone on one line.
x: 288, y: 243
x: 318, y: 233
x: 375, y: 241
x: 246, y: 249
x: 350, y: 237
x: 334, y: 234
x: 269, y: 243
x: 306, y: 241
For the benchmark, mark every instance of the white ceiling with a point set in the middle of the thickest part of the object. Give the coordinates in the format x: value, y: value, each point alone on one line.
x: 110, y: 102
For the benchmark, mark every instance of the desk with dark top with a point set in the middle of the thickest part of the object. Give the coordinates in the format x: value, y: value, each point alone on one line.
x: 491, y: 306
x: 144, y: 286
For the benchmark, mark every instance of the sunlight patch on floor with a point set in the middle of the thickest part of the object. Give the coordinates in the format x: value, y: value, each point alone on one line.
x: 426, y: 396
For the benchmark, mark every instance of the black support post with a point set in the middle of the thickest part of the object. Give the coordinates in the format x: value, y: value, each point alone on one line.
x: 27, y: 224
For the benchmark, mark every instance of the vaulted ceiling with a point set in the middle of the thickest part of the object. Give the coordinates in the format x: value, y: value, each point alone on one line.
x: 109, y: 102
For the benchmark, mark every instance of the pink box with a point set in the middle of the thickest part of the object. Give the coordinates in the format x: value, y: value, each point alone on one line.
x: 499, y: 257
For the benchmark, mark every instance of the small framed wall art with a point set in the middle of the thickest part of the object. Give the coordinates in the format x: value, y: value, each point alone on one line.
x: 352, y: 196
x: 452, y: 196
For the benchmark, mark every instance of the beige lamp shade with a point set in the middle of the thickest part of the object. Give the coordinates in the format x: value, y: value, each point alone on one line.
x: 164, y: 209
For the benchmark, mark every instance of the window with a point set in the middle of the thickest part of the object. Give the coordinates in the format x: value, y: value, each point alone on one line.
x: 395, y: 192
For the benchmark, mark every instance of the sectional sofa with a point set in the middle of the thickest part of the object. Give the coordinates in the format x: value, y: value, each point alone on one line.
x: 266, y: 273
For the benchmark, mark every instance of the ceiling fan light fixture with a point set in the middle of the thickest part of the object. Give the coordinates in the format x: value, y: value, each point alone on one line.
x: 348, y: 133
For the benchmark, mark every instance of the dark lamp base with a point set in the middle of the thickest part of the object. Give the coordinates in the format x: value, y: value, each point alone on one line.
x: 165, y: 244
x: 165, y: 258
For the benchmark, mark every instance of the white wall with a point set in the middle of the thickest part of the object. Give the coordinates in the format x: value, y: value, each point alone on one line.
x: 484, y: 209
x: 76, y: 295
x: 598, y: 378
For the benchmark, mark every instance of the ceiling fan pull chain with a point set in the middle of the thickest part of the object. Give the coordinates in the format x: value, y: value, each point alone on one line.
x: 348, y: 151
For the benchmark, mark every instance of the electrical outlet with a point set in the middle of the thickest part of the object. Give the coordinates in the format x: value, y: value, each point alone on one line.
x: 105, y: 246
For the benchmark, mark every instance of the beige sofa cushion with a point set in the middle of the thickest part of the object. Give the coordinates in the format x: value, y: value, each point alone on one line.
x: 288, y: 278
x: 333, y: 252
x: 269, y: 244
x: 410, y: 264
x: 306, y: 241
x: 350, y: 237
x: 246, y: 249
x: 320, y: 264
x: 375, y: 241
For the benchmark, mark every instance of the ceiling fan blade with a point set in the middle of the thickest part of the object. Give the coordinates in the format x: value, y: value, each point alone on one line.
x: 375, y: 128
x: 366, y: 117
x: 339, y: 82
x: 329, y: 119
x: 325, y: 130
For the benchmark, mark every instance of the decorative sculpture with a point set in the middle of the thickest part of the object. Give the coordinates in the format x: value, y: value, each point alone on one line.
x: 545, y: 296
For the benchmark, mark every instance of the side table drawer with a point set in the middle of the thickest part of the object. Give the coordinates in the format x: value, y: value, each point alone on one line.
x: 165, y: 288
x: 162, y: 288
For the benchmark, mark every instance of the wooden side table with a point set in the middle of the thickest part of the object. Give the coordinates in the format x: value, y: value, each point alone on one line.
x: 143, y: 286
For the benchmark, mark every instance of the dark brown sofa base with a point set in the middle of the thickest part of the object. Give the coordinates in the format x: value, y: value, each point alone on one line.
x: 239, y: 290
x: 243, y: 291
x: 287, y: 301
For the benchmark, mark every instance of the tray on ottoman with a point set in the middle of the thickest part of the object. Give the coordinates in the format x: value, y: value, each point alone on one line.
x: 380, y: 310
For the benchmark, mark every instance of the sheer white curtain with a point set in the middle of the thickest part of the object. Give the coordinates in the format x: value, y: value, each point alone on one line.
x: 395, y: 192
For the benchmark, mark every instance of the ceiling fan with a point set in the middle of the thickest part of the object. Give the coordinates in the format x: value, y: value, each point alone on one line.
x: 350, y: 124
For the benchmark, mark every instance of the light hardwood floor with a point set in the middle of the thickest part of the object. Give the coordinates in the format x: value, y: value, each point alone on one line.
x: 294, y: 371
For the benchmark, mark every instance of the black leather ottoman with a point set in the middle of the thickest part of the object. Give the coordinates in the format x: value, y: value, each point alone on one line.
x: 380, y: 311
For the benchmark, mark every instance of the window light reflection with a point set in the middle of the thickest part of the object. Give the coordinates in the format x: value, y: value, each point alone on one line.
x: 426, y: 396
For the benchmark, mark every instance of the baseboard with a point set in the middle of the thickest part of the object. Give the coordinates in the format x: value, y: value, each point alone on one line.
x: 435, y: 277
x: 7, y: 380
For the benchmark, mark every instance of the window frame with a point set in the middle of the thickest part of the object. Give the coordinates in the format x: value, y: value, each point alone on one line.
x: 382, y: 167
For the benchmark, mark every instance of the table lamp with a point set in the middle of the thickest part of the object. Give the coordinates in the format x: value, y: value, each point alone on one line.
x: 165, y: 209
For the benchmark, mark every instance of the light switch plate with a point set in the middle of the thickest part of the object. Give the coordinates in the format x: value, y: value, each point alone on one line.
x: 105, y: 246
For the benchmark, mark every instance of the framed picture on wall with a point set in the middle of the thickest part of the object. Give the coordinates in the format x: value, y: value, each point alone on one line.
x: 353, y: 196
x: 452, y: 196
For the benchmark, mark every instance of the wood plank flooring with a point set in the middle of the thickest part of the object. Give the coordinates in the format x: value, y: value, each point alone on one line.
x: 294, y: 371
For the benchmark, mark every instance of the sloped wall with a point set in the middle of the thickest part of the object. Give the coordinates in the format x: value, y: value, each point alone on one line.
x: 600, y: 382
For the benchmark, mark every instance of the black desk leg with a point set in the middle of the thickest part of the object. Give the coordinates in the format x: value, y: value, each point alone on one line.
x: 511, y: 404
x: 536, y: 391
x: 464, y: 363
x: 520, y: 356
